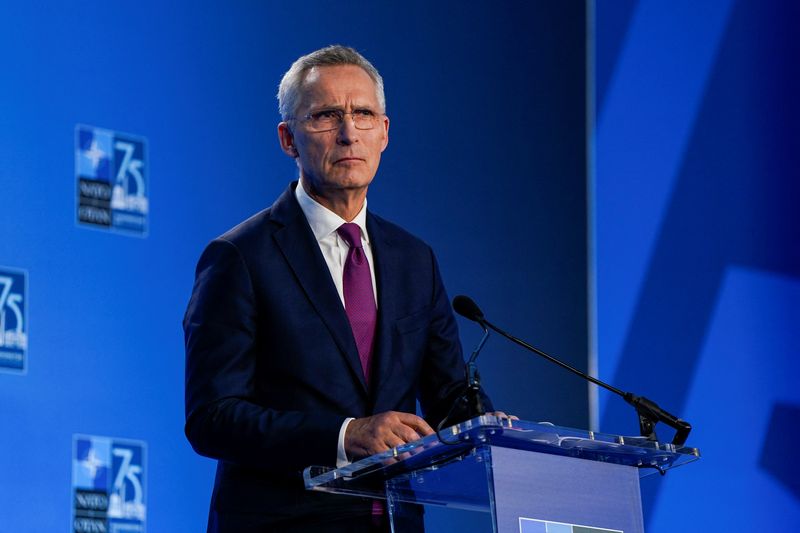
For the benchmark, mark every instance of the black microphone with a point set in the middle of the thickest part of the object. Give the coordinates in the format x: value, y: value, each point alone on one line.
x: 648, y: 411
x: 469, y: 400
x: 466, y: 307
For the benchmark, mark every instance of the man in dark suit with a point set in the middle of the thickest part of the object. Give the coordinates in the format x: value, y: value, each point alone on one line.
x: 315, y: 326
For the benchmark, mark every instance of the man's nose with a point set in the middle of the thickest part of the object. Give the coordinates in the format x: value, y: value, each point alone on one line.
x: 347, y: 133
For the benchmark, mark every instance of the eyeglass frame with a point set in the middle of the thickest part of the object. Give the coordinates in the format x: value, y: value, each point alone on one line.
x: 308, y: 116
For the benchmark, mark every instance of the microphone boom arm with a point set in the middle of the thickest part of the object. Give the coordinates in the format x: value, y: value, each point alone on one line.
x: 473, y: 392
x: 648, y: 411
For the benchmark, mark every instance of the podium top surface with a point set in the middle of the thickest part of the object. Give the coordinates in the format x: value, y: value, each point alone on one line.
x: 488, y: 430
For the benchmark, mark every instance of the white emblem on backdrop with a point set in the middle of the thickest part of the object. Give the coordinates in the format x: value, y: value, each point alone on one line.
x: 112, y: 189
x: 108, y: 485
x: 13, y: 319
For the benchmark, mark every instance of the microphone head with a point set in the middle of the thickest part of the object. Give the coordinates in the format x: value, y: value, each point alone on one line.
x: 466, y: 307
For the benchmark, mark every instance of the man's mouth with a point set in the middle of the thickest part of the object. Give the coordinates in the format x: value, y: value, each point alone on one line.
x: 348, y: 160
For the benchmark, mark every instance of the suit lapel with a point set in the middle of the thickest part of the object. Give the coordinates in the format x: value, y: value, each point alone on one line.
x: 387, y: 259
x: 298, y: 245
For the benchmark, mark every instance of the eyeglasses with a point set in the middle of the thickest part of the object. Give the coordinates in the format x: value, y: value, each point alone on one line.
x: 332, y: 119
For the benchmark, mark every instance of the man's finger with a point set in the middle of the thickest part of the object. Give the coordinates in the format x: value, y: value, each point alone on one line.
x: 406, y: 433
x: 416, y: 423
x: 501, y: 414
x: 393, y: 442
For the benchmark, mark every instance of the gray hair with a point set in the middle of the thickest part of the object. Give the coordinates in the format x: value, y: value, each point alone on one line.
x: 289, y: 88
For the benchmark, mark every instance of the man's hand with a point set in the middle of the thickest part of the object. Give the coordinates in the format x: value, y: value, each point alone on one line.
x: 501, y: 414
x: 378, y: 433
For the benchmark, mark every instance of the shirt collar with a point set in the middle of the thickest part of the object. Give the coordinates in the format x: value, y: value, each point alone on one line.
x: 322, y: 220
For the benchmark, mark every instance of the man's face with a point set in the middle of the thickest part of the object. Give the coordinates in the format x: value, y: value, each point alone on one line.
x: 345, y: 157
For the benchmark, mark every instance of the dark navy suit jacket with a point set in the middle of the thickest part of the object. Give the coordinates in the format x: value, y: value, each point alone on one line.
x: 272, y: 368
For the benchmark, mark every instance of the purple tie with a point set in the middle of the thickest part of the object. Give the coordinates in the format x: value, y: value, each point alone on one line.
x: 359, y: 300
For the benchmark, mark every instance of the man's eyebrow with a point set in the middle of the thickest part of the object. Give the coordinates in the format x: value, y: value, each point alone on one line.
x: 325, y: 107
x: 321, y: 107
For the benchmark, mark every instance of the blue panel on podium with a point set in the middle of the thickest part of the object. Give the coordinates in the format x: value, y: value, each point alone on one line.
x: 562, y: 490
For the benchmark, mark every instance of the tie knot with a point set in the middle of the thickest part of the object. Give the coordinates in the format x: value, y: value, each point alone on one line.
x: 351, y: 233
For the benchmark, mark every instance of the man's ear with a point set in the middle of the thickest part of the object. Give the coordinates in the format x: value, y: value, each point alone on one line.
x: 286, y: 138
x: 385, y: 133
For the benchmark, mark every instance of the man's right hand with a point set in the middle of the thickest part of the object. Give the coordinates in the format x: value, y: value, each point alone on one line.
x: 378, y: 433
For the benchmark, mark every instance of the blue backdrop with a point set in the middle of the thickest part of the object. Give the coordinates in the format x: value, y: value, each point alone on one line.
x: 486, y: 162
x: 697, y: 239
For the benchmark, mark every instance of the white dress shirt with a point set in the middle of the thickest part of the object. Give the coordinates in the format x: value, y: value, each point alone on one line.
x: 324, y: 224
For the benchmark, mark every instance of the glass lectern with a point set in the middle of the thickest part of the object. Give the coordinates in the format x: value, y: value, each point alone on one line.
x: 529, y: 476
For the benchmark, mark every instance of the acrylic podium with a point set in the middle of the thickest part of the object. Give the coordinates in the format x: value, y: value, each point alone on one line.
x: 531, y: 477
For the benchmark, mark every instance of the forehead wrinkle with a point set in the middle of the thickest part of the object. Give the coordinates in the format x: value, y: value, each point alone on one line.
x: 332, y: 95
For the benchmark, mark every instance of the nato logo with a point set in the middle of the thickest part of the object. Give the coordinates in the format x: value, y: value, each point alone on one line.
x: 108, y: 485
x: 112, y: 183
x: 531, y: 525
x: 13, y: 319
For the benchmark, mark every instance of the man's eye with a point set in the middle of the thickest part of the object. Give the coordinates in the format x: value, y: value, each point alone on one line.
x: 364, y: 113
x: 326, y: 114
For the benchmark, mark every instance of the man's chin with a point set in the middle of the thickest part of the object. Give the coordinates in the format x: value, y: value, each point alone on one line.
x: 339, y: 178
x: 348, y: 183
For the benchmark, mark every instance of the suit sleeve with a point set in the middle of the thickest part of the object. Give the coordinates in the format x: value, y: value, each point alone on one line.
x: 224, y: 419
x: 443, y: 376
